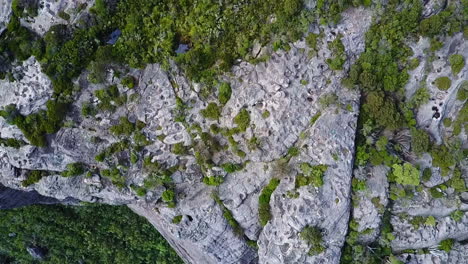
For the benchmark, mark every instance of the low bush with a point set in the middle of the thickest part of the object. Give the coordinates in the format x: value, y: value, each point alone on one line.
x: 314, y: 237
x: 443, y: 83
x: 264, y: 214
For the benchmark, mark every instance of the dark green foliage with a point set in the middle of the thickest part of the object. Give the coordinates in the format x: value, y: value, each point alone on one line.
x: 433, y: 25
x: 212, y: 111
x: 457, y: 215
x: 446, y: 245
x: 457, y: 62
x: 25, y: 8
x: 108, y: 98
x: 129, y: 81
x: 140, y: 191
x: 33, y: 177
x: 328, y: 99
x: 74, y: 169
x: 179, y: 149
x: 311, y: 40
x: 293, y: 151
x: 420, y: 97
x: 231, y: 167
x: 264, y: 214
x: 420, y: 141
x: 382, y: 110
x: 462, y: 93
x: 168, y: 196
x: 12, y: 142
x: 228, y: 216
x: 427, y: 174
x: 213, y: 180
x: 125, y: 127
x: 242, y: 119
x: 177, y: 219
x: 443, y: 83
x: 358, y: 185
x: 443, y: 158
x: 224, y: 93
x: 87, y: 109
x: 115, y: 176
x: 314, y: 238
x: 413, y: 63
x: 315, y: 117
x: 311, y: 175
x: 447, y: 122
x: 338, y: 51
x: 436, y: 193
x: 88, y: 234
x: 152, y: 30
x: 457, y: 182
x: 63, y: 15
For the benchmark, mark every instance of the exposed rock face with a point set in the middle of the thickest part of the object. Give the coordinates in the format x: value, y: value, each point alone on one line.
x: 281, y: 96
x: 289, y: 86
x: 5, y: 12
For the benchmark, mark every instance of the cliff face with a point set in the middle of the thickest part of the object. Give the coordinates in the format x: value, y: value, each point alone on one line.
x: 294, y: 102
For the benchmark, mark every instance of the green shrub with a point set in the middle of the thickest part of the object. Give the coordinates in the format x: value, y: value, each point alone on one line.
x: 436, y: 193
x: 430, y: 221
x: 413, y: 63
x: 358, y: 185
x: 311, y: 40
x: 74, y: 169
x: 315, y: 118
x: 63, y: 15
x: 338, y: 50
x: 224, y: 93
x: 312, y: 175
x: 213, y: 180
x: 115, y: 176
x: 406, y: 174
x: 139, y: 190
x: 179, y: 149
x: 457, y: 215
x: 447, y: 122
x: 34, y: 176
x: 457, y: 62
x: 228, y: 216
x: 264, y: 214
x: 420, y: 141
x: 12, y: 142
x: 231, y: 167
x: 265, y: 114
x: 314, y: 237
x: 446, y: 245
x: 420, y: 97
x: 443, y: 83
x: 427, y: 174
x: 443, y: 158
x: 212, y: 111
x: 125, y: 127
x: 242, y: 119
x: 293, y: 151
x: 462, y: 93
x: 168, y: 196
x: 177, y: 219
x: 328, y: 99
x: 129, y: 81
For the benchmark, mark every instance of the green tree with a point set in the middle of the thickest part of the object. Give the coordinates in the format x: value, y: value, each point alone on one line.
x: 406, y: 174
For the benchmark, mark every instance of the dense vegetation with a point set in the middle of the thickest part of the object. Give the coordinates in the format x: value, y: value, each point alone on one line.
x: 88, y: 234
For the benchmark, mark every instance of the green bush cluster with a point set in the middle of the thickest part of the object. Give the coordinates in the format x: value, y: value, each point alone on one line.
x: 457, y: 62
x: 338, y: 51
x: 12, y: 142
x: 109, y: 98
x: 228, y: 216
x: 420, y: 97
x: 242, y: 119
x: 446, y: 245
x: 224, y: 93
x: 33, y: 177
x: 115, y: 176
x: 213, y: 180
x: 25, y: 8
x: 113, y: 148
x: 420, y: 141
x: 264, y: 214
x: 443, y: 83
x: 168, y: 196
x: 314, y: 237
x: 232, y: 167
x: 129, y: 81
x: 212, y: 111
x: 406, y: 174
x: 90, y: 233
x: 177, y: 219
x: 443, y: 158
x: 74, y: 169
x: 180, y: 149
x: 312, y: 40
x: 311, y: 175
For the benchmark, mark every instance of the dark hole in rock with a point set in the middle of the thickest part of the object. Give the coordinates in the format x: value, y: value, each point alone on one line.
x: 162, y: 97
x: 440, y: 104
x: 436, y: 115
x: 310, y: 99
x: 190, y: 218
x: 434, y: 108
